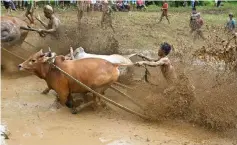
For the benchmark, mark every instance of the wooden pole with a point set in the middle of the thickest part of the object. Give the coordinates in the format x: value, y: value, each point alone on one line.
x: 13, y: 54
x: 113, y: 88
x: 122, y: 85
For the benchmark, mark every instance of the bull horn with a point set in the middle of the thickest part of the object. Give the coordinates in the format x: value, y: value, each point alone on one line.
x: 49, y: 49
x: 81, y: 50
x: 41, y: 51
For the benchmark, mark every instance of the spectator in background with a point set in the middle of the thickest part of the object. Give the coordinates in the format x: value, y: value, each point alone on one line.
x: 218, y: 3
x: 93, y: 2
x: 120, y: 6
x: 72, y: 1
x: 24, y: 4
x: 126, y: 5
x: 56, y: 2
x: 18, y: 4
x: 164, y: 11
x: 30, y: 11
x: 134, y: 4
x: 61, y: 3
x: 194, y: 3
x: 230, y: 25
x: 9, y: 5
x: 6, y: 4
x: 13, y: 7
x: 140, y: 4
x: 199, y: 26
x: 185, y: 3
x: 196, y: 24
x: 113, y: 5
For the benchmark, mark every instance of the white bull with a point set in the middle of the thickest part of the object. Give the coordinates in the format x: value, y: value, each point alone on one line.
x: 79, y: 53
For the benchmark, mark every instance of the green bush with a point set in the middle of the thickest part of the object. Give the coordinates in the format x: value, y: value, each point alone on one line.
x: 208, y: 3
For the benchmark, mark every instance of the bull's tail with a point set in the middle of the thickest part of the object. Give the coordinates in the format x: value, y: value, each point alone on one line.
x: 131, y: 55
x: 123, y: 64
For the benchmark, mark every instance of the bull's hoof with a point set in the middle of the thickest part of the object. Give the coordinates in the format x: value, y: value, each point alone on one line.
x: 46, y: 91
x: 94, y: 106
x: 69, y: 104
x: 103, y: 104
x: 74, y: 111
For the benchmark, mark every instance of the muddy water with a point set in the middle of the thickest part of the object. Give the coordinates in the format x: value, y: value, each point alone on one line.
x: 33, y: 119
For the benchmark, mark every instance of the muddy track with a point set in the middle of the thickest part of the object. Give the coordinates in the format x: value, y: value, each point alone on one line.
x: 203, y: 98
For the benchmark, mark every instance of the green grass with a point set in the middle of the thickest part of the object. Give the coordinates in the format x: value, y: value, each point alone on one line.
x: 227, y: 7
x: 209, y: 13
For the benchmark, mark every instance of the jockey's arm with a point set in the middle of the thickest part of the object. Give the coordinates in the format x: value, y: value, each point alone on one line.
x: 53, y: 29
x: 42, y: 23
x: 147, y: 58
x: 152, y: 64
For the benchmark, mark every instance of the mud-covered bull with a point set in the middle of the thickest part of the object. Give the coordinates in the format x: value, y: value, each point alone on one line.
x: 11, y: 34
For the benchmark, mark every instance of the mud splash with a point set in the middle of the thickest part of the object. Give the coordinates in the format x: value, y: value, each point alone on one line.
x: 204, y: 94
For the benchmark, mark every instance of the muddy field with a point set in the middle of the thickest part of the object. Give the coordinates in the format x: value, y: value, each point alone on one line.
x: 199, y: 109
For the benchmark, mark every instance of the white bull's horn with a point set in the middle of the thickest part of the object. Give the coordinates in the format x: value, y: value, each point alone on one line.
x: 49, y: 49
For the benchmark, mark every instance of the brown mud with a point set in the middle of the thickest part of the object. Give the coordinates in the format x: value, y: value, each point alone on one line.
x: 203, y: 99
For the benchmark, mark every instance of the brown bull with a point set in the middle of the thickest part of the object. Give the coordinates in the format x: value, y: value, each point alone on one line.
x: 97, y: 74
x: 11, y: 34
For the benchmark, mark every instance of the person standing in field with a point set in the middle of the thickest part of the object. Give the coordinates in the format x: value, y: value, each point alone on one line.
x: 30, y: 11
x: 9, y: 5
x: 230, y: 25
x: 196, y: 23
x: 164, y: 11
x: 198, y: 30
x: 106, y: 19
x: 230, y: 28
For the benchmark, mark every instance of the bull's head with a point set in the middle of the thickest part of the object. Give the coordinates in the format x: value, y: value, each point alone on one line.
x: 33, y: 63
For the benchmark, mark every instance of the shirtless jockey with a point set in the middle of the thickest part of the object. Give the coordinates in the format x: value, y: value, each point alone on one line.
x: 167, y: 68
x: 53, y: 25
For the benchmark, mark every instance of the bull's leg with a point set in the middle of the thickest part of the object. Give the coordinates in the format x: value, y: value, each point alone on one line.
x: 69, y: 102
x: 63, y: 95
x: 56, y: 103
x: 81, y: 102
x: 79, y: 108
x: 46, y: 91
x: 94, y: 106
x: 102, y: 92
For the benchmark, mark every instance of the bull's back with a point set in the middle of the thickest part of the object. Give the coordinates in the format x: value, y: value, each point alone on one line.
x: 93, y: 72
x: 17, y: 21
